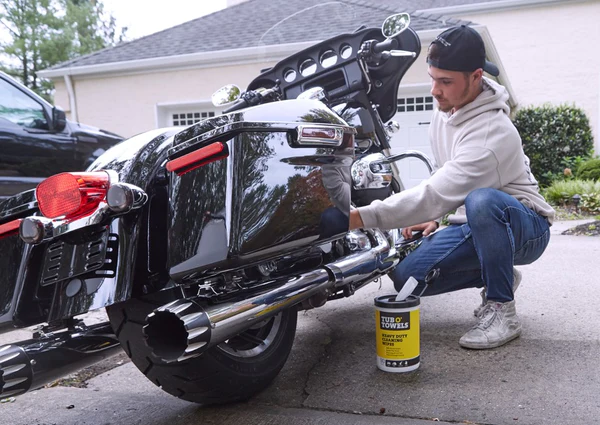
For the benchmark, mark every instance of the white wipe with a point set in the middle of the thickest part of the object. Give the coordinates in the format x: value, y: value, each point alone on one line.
x: 407, y: 289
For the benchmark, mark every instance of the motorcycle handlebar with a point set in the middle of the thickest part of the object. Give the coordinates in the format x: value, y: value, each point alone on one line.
x: 251, y: 98
x: 389, y: 44
x: 239, y: 104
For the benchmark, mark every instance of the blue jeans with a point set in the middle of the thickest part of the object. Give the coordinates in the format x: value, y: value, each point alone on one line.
x: 501, y: 232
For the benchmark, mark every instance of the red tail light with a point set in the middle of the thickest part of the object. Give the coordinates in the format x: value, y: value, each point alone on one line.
x: 10, y: 228
x: 196, y: 159
x: 72, y: 194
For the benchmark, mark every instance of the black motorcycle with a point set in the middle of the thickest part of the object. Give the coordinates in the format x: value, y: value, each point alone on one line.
x: 203, y: 243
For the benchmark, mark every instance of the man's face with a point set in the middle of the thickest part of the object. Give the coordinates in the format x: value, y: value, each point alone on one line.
x: 451, y: 89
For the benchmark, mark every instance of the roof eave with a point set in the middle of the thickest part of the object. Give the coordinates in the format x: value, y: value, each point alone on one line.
x: 197, y: 60
x: 475, y: 8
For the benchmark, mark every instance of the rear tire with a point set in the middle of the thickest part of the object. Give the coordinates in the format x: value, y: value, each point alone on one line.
x: 232, y: 371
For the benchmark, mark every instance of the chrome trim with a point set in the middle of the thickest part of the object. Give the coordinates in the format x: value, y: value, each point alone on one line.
x: 366, y: 265
x: 411, y: 154
x: 392, y: 127
x: 53, y: 228
x: 316, y: 93
x: 311, y: 141
x: 364, y: 176
x: 134, y: 197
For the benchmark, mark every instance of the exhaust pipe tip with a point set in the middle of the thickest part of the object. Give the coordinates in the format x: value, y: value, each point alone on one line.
x: 177, y: 331
x: 15, y: 371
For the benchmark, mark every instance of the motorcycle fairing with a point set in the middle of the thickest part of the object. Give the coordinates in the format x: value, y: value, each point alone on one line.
x: 345, y: 76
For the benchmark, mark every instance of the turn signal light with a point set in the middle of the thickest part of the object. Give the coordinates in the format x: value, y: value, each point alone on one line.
x: 72, y: 194
x: 10, y: 228
x: 198, y: 158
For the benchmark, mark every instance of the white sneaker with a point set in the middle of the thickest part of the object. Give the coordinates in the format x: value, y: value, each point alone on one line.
x: 498, y: 324
x: 517, y: 275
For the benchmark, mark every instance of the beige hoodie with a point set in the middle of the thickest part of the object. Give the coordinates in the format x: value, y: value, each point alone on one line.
x: 476, y: 147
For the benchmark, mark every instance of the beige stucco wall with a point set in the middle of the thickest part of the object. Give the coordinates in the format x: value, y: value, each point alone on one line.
x: 127, y: 104
x: 61, y: 96
x: 551, y: 54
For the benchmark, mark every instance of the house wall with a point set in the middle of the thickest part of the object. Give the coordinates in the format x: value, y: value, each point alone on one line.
x: 550, y: 54
x: 127, y: 104
x: 61, y: 96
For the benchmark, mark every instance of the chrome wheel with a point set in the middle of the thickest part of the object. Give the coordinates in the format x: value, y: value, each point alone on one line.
x: 253, y: 341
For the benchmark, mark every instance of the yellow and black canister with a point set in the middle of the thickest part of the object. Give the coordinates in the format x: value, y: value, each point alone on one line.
x: 397, y: 333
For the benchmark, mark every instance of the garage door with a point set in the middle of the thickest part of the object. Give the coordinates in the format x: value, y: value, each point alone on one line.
x: 414, y: 112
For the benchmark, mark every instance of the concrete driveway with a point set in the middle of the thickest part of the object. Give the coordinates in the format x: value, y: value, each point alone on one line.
x: 551, y: 375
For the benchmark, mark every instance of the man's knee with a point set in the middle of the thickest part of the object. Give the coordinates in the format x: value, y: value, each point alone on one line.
x: 481, y: 204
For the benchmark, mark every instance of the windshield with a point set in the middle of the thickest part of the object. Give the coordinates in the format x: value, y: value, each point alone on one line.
x: 335, y: 17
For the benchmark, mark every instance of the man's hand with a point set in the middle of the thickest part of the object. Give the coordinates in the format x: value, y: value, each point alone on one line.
x: 355, y: 220
x: 427, y: 229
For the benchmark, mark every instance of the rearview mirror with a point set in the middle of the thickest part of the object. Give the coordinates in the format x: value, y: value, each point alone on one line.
x: 395, y: 24
x: 226, y: 95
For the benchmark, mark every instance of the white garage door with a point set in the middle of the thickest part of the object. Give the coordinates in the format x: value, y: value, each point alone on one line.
x: 413, y: 114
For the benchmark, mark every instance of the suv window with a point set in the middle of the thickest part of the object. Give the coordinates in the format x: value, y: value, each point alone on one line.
x: 20, y: 109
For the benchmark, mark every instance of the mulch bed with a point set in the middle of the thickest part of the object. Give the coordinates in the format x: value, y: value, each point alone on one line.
x: 587, y: 229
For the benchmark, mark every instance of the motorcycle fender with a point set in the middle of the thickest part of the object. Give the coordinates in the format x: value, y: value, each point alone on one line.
x: 25, y: 299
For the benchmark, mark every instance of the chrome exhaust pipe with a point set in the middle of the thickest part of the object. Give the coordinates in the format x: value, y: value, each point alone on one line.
x: 184, y: 328
x: 28, y: 365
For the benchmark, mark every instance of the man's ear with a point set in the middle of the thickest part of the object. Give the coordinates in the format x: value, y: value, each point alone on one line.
x: 477, y: 75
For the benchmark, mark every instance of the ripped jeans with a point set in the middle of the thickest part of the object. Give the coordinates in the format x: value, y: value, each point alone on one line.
x: 501, y: 232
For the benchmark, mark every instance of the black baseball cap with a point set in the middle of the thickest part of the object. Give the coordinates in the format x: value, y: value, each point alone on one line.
x: 461, y: 49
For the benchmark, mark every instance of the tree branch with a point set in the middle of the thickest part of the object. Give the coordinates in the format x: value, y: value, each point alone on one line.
x: 16, y: 34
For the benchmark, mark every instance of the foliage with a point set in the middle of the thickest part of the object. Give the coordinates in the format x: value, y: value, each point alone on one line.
x: 590, y: 203
x: 570, y: 164
x: 550, y: 133
x: 589, y: 170
x: 43, y: 33
x: 562, y: 192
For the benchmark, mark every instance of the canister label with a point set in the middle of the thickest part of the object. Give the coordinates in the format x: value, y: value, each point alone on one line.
x: 398, y: 341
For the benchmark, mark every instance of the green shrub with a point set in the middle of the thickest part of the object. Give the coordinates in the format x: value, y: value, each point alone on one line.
x: 590, y: 202
x: 550, y: 134
x: 561, y: 192
x: 589, y: 170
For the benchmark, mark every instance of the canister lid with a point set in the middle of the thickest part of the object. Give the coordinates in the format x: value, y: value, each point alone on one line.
x: 389, y: 301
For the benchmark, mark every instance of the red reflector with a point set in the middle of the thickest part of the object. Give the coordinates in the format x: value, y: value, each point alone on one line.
x: 10, y: 228
x: 71, y: 194
x: 196, y: 159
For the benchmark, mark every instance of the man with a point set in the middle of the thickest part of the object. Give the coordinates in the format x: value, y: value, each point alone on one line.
x: 501, y: 220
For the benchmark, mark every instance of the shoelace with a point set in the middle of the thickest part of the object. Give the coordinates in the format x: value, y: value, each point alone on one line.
x: 486, y: 317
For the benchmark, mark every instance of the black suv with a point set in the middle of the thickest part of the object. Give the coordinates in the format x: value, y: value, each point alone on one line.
x: 37, y: 141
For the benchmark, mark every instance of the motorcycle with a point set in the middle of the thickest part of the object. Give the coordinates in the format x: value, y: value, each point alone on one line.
x: 202, y: 244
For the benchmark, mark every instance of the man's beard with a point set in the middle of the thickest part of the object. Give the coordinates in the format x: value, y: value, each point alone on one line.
x: 463, y: 96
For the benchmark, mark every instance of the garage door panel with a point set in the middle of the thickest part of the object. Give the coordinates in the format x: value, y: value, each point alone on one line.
x: 414, y: 115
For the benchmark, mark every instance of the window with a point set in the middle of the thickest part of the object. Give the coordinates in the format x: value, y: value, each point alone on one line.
x: 189, y: 118
x: 415, y: 104
x: 17, y: 107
